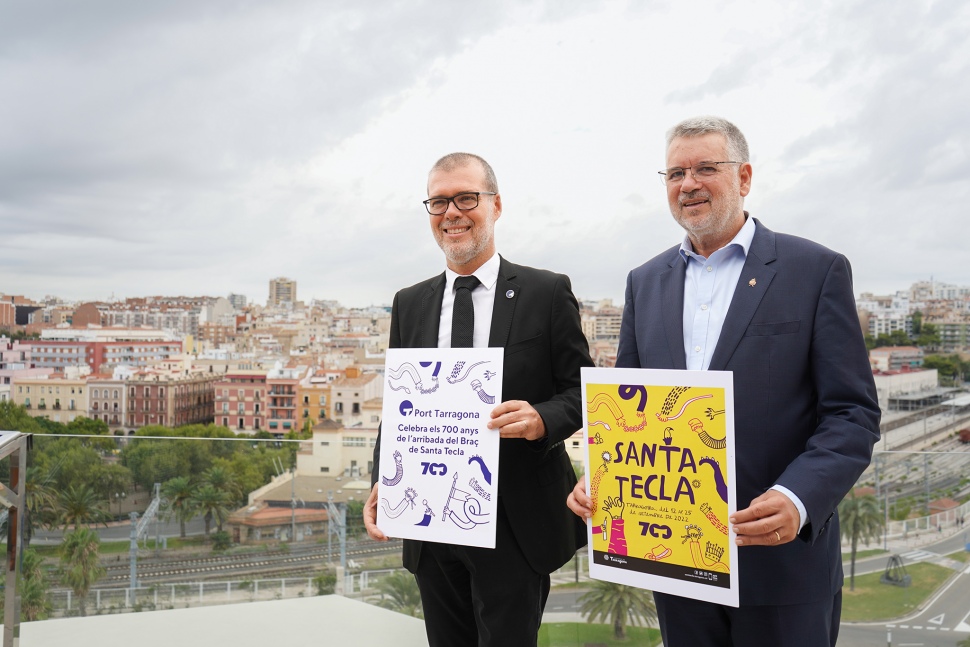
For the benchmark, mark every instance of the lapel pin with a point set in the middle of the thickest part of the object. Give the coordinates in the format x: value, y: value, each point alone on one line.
x: 753, y: 282
x: 510, y: 294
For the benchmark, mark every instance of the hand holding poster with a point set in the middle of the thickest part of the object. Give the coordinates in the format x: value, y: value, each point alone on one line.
x: 439, y: 463
x: 660, y: 473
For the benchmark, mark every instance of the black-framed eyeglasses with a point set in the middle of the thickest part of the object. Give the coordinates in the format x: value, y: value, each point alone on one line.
x: 701, y: 171
x: 464, y: 201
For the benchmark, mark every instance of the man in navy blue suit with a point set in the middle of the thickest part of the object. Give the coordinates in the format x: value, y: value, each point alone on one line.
x: 778, y: 311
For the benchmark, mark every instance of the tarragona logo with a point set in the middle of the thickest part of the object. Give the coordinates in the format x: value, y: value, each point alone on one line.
x: 406, y: 408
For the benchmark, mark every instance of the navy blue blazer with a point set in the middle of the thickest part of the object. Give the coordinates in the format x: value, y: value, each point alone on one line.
x: 806, y: 415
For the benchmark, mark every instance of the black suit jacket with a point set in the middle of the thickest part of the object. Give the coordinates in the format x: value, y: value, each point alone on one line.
x: 536, y: 320
x: 806, y: 415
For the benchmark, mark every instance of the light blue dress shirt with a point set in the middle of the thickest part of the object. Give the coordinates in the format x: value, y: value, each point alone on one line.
x: 708, y: 289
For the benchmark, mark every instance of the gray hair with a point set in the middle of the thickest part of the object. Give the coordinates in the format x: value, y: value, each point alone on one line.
x: 460, y: 160
x: 737, y: 145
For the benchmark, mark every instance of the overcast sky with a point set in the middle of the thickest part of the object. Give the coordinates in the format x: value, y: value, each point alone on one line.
x: 203, y: 147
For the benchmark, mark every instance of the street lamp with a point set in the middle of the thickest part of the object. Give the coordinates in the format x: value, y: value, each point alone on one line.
x: 119, y: 497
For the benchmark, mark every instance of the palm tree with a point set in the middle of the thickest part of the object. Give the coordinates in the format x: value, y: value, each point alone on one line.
x: 35, y: 600
x: 618, y: 605
x: 222, y: 478
x: 860, y: 519
x: 177, y: 493
x: 78, y: 505
x: 41, y: 508
x: 212, y: 504
x: 81, y: 563
x: 402, y: 594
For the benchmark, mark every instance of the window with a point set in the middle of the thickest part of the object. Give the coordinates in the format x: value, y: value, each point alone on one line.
x: 225, y: 422
x: 96, y: 393
x: 375, y: 418
x: 241, y: 394
x: 325, y: 443
x: 356, y: 409
x: 355, y: 441
x: 324, y: 469
x: 338, y: 407
x: 242, y: 423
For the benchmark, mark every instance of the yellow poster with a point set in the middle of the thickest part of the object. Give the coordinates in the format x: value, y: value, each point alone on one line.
x: 660, y: 472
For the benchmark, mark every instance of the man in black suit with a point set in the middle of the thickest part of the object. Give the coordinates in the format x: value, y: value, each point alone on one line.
x: 779, y: 312
x: 481, y: 596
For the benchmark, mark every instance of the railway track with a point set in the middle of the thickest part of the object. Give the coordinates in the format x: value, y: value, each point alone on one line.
x: 297, y: 561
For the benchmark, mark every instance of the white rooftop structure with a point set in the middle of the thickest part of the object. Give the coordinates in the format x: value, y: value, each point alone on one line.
x: 320, y: 620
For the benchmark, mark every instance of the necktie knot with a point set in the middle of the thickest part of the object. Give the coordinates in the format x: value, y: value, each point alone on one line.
x: 467, y: 282
x: 463, y: 315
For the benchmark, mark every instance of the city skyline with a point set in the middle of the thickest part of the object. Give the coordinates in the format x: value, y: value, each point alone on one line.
x: 180, y: 149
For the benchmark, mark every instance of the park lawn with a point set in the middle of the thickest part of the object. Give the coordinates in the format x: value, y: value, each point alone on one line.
x: 578, y: 634
x: 872, y: 600
x: 960, y: 556
x: 862, y: 554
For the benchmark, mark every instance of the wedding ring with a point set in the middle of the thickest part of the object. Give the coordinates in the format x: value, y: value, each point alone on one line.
x: 777, y: 536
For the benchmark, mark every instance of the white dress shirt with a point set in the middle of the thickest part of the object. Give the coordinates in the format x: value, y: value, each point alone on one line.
x: 483, y: 298
x: 708, y: 290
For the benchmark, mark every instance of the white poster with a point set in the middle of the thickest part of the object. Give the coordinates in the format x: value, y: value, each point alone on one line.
x: 438, y: 478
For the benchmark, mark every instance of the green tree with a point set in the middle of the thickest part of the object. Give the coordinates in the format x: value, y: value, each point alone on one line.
x: 41, y: 509
x: 87, y: 426
x: 399, y: 592
x: 79, y: 505
x: 211, y: 504
x: 619, y: 605
x: 35, y: 599
x: 928, y: 336
x: 221, y: 477
x: 177, y: 493
x: 15, y: 417
x: 81, y: 563
x: 917, y: 322
x: 860, y: 520
x: 899, y: 338
x: 110, y: 479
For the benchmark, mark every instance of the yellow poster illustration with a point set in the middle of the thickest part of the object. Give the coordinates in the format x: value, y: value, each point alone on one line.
x: 659, y: 470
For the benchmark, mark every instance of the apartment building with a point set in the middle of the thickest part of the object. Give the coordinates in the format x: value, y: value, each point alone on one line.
x: 60, y: 399
x: 350, y: 393
x: 107, y: 399
x: 240, y: 401
x: 170, y: 400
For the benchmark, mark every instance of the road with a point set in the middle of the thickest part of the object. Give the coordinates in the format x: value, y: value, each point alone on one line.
x: 944, y: 622
x: 117, y: 531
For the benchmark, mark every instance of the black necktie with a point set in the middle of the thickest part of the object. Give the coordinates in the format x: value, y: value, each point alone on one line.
x: 463, y: 314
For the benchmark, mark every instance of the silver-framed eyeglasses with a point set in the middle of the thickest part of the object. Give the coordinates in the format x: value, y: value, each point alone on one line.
x: 701, y: 171
x: 464, y: 201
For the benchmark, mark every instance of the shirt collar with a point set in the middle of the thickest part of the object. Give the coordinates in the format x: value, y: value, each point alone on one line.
x: 487, y: 274
x: 741, y: 239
